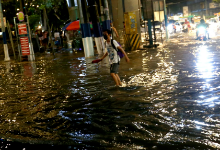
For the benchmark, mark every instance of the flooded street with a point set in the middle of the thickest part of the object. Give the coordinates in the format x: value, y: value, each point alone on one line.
x: 169, y: 100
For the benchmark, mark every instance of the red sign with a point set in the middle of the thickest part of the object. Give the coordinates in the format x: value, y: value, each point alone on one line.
x: 25, y: 45
x: 22, y: 29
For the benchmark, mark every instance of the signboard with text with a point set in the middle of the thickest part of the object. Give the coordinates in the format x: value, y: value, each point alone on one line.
x: 214, y: 5
x: 25, y: 46
x: 22, y: 29
x: 24, y: 38
x: 185, y: 11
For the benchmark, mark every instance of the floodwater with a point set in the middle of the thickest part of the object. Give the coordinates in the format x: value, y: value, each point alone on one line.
x: 169, y: 100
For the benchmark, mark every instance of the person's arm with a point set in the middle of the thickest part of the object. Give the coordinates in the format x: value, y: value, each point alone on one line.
x: 115, y: 31
x: 126, y: 57
x: 103, y: 57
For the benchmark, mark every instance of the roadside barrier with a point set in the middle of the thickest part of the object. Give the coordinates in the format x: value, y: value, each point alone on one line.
x: 132, y: 41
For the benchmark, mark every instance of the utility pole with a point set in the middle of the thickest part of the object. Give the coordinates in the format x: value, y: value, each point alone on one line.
x: 206, y: 8
x: 96, y: 26
x: 150, y: 32
x: 7, y: 58
x: 106, y: 23
x: 165, y: 19
x: 21, y: 6
x: 86, y: 31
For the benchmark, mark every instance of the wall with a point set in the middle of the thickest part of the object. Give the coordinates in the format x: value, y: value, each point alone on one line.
x: 195, y: 7
x: 118, y: 14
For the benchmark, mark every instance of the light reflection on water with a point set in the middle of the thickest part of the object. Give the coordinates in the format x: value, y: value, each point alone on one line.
x: 205, y: 68
x: 170, y: 99
x: 204, y: 63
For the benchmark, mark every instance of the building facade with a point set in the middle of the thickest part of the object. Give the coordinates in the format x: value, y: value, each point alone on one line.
x: 195, y: 7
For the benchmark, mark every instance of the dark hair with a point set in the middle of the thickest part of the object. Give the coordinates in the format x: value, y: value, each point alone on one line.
x: 202, y: 21
x: 108, y: 31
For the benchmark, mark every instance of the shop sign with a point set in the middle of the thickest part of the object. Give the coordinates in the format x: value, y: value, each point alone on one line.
x: 24, y: 46
x: 22, y: 29
x: 185, y: 11
x: 213, y: 5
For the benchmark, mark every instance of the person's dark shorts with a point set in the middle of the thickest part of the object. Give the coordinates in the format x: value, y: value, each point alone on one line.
x: 45, y: 41
x: 114, y: 68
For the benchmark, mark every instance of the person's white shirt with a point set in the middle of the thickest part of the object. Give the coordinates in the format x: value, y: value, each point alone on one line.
x: 56, y: 34
x: 67, y: 36
x: 112, y: 53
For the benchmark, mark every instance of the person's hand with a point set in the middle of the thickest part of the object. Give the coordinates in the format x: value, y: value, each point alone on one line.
x: 127, y: 60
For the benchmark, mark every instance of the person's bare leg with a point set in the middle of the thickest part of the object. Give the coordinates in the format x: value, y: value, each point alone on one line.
x: 119, y: 80
x: 115, y: 78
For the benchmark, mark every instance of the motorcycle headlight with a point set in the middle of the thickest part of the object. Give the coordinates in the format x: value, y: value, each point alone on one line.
x: 170, y: 27
x: 202, y: 30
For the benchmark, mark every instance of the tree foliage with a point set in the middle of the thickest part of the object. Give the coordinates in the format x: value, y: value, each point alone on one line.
x: 34, y: 20
x: 57, y: 10
x: 10, y: 11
